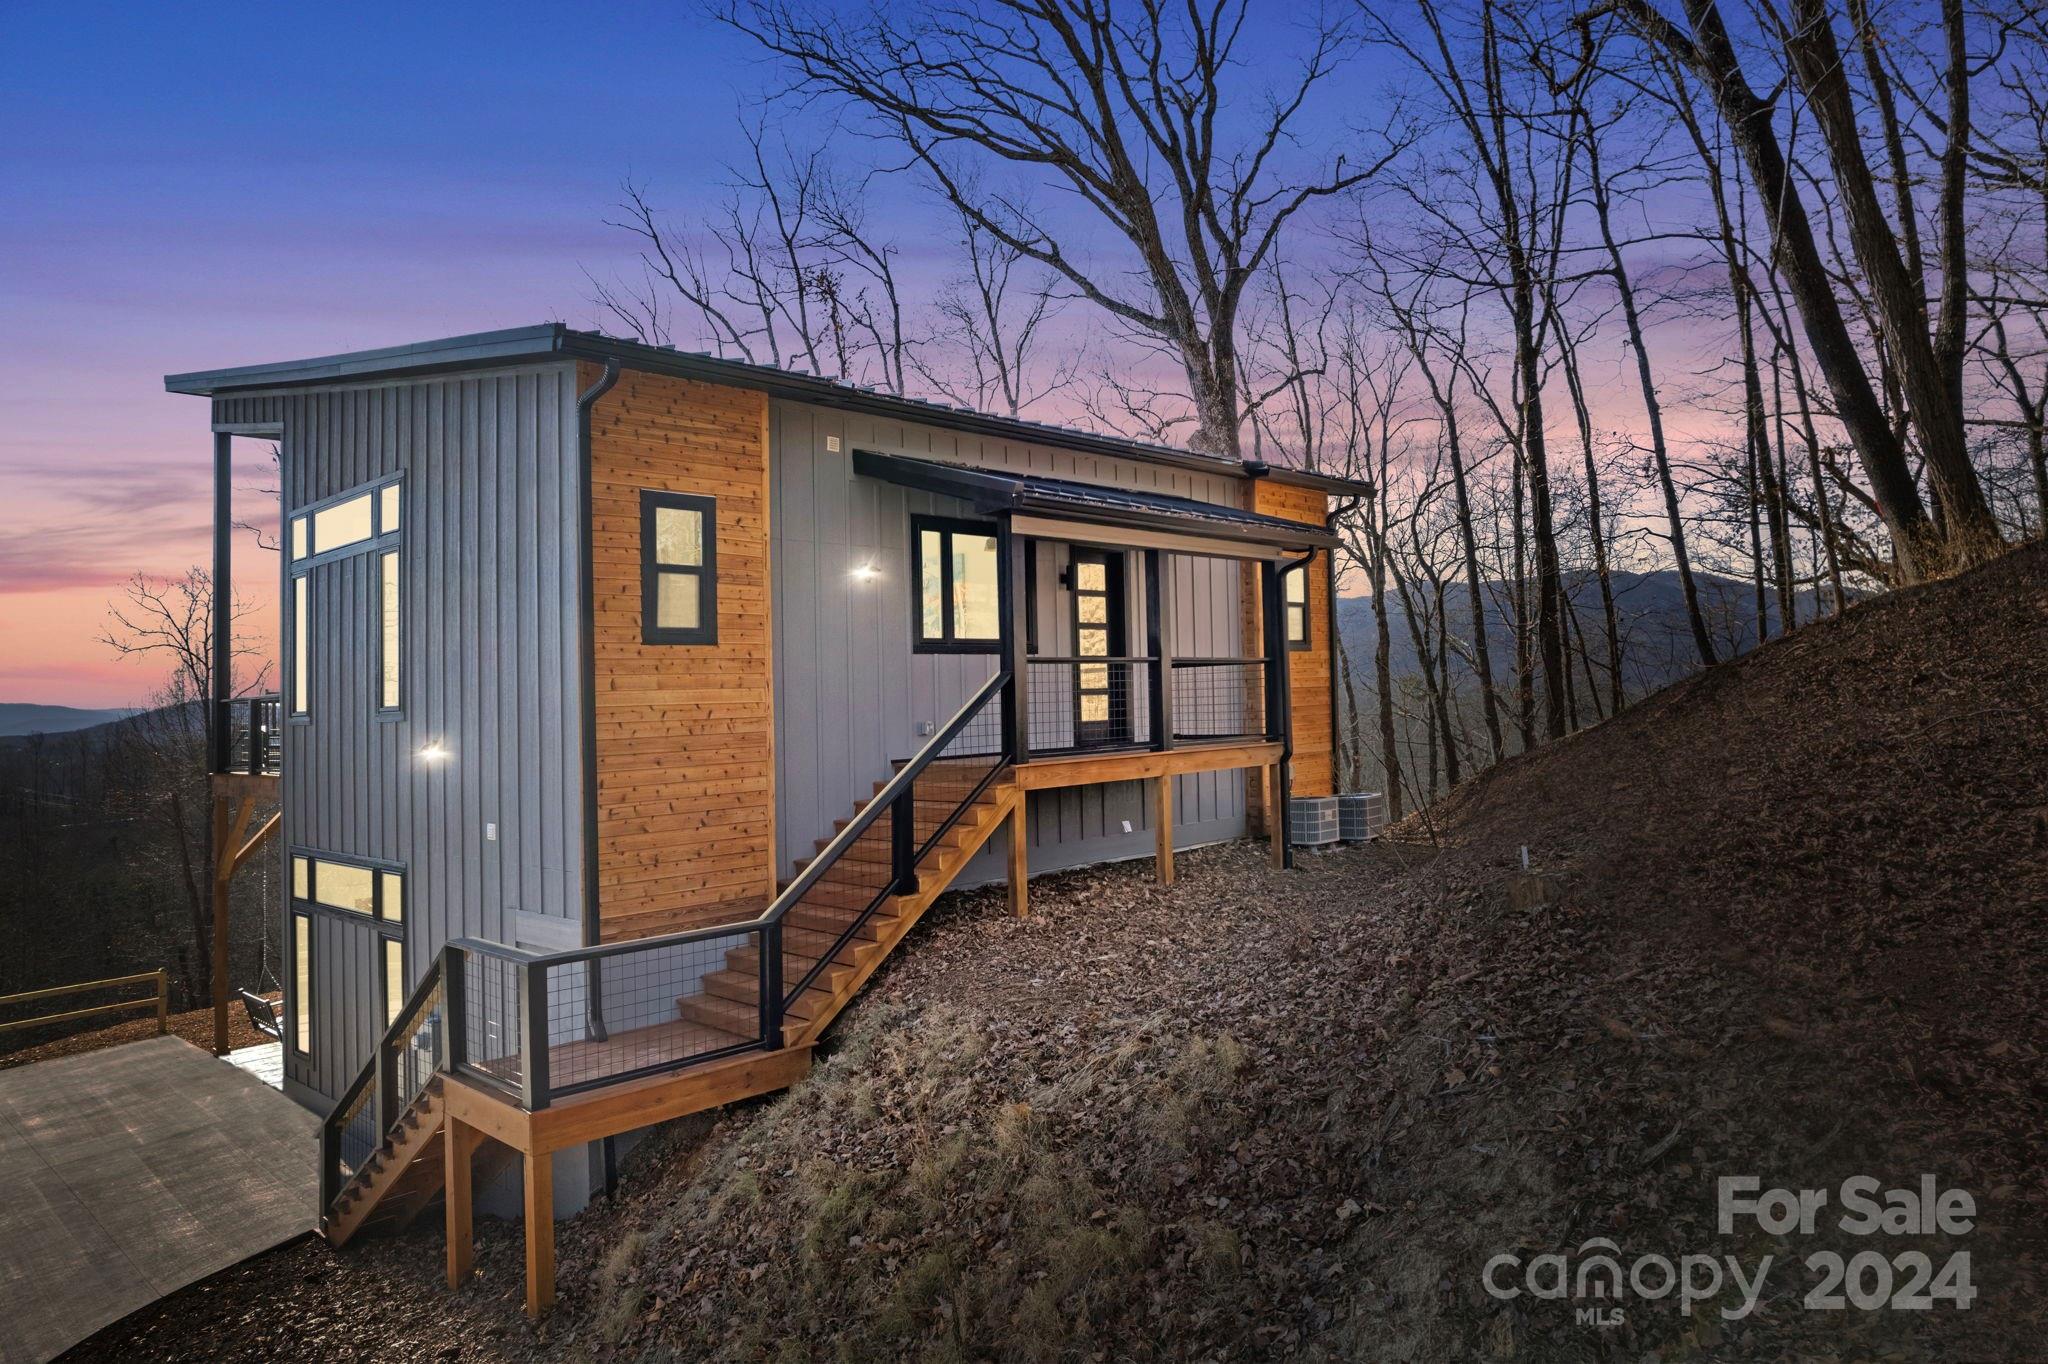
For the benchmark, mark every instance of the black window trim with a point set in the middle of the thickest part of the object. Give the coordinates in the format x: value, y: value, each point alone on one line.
x: 706, y: 573
x: 1288, y: 609
x: 392, y: 712
x: 311, y: 904
x: 381, y: 536
x: 948, y: 526
x: 301, y: 923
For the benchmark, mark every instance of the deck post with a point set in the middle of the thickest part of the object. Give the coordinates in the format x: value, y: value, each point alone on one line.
x: 1020, y: 859
x: 540, y: 1232
x: 223, y: 869
x: 533, y: 1036
x: 221, y: 682
x: 1162, y: 827
x: 1159, y: 644
x: 458, y: 1144
x: 1012, y: 600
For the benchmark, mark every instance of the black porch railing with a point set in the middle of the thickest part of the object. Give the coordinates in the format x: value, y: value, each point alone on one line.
x: 1219, y: 698
x: 248, y: 735
x: 1077, y: 704
x: 539, y: 1026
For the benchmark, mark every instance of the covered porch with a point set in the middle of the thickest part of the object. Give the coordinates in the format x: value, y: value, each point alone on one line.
x: 1144, y: 636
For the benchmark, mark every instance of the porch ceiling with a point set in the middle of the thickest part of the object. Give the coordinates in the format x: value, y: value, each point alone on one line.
x: 1093, y: 504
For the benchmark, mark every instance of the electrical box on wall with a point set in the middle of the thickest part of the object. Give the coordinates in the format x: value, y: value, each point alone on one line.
x: 832, y: 445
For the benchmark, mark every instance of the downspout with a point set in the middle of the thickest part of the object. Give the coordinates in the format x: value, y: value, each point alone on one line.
x: 1336, y: 710
x: 586, y: 631
x: 1287, y: 711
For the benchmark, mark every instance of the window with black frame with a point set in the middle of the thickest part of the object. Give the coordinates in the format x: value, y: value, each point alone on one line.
x: 678, y: 568
x: 957, y: 579
x: 1294, y: 597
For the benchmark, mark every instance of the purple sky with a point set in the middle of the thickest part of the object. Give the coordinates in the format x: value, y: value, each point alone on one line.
x: 192, y: 186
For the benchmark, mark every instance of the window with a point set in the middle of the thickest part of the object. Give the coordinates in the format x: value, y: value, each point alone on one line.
x: 678, y: 568
x: 300, y: 545
x: 362, y: 888
x: 302, y: 984
x: 959, y: 586
x: 387, y: 648
x: 1294, y: 596
x: 343, y: 524
x: 394, y: 979
x: 387, y: 504
x: 302, y: 627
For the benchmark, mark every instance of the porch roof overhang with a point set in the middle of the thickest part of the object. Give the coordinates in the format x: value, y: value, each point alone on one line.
x: 1062, y: 507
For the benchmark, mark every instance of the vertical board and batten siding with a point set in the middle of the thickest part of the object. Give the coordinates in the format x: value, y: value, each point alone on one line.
x: 1309, y: 671
x: 685, y: 732
x: 491, y: 599
x: 850, y: 692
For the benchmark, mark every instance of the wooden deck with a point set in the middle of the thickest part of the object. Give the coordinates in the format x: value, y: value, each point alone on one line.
x: 132, y: 1172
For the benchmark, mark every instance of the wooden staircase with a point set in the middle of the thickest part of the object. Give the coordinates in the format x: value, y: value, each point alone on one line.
x: 815, y: 926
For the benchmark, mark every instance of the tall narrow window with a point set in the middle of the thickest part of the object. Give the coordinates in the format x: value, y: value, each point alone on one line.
x: 387, y: 508
x: 959, y: 594
x: 388, y: 649
x: 394, y: 979
x: 302, y: 984
x: 1295, y: 588
x: 301, y: 628
x: 678, y: 568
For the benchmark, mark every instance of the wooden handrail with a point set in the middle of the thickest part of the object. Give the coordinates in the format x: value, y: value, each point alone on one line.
x: 161, y: 999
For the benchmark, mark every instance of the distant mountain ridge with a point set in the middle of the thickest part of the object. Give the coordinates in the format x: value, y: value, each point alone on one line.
x: 21, y: 718
x: 1657, y: 643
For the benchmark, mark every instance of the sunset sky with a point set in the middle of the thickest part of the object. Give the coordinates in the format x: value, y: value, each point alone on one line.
x: 190, y: 187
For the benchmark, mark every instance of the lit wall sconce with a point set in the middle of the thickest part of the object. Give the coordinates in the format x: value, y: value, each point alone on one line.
x: 433, y: 752
x: 864, y: 573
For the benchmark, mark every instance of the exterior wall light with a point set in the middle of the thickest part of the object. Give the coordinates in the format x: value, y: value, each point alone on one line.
x: 864, y: 573
x: 433, y: 752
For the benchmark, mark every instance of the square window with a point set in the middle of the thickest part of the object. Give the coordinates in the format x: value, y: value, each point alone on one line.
x: 959, y: 586
x: 678, y: 568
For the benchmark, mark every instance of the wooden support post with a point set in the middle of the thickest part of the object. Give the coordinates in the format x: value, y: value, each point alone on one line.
x: 1276, y: 817
x: 163, y: 1003
x: 458, y: 1144
x: 223, y: 868
x: 1162, y: 828
x: 1020, y: 859
x: 540, y: 1233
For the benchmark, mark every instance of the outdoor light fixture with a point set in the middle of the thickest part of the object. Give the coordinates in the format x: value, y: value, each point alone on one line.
x: 433, y: 751
x: 864, y: 573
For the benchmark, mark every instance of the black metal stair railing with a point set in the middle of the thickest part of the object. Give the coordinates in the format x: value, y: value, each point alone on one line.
x: 412, y: 1049
x: 539, y: 1026
x: 249, y: 735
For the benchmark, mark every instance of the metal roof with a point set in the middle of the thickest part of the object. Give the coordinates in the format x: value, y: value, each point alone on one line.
x: 992, y: 490
x: 554, y: 340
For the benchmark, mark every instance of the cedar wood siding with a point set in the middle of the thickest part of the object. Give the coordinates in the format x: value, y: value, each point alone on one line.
x: 1309, y: 671
x: 685, y: 733
x: 490, y: 604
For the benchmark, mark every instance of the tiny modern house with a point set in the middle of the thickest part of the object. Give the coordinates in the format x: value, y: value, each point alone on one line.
x: 634, y: 703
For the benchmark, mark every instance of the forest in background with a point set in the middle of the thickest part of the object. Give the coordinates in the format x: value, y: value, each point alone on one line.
x: 1744, y: 301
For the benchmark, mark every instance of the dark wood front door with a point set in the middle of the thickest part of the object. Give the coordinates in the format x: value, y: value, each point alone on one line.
x: 1102, y: 691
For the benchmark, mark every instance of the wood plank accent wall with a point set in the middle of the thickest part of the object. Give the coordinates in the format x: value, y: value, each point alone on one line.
x: 1310, y: 671
x: 685, y: 733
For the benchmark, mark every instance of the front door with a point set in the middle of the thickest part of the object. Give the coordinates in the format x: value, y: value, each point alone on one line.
x: 1102, y: 691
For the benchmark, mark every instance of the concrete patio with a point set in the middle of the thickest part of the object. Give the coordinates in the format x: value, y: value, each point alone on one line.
x: 128, y: 1173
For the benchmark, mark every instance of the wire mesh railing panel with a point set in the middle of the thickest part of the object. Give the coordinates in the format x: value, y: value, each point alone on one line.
x: 492, y: 997
x: 358, y: 1126
x: 1074, y: 704
x: 420, y: 1049
x: 646, y: 1010
x: 960, y: 771
x: 255, y: 734
x: 1221, y: 698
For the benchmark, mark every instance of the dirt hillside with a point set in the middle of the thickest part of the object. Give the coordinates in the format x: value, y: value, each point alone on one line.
x: 1798, y: 934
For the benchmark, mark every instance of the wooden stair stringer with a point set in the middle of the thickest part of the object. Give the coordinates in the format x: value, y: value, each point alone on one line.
x: 407, y: 1166
x: 934, y: 878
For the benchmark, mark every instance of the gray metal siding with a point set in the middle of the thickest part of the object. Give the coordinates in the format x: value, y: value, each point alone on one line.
x: 850, y: 693
x: 488, y: 573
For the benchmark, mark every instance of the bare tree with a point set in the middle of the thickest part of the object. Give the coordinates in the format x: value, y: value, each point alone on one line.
x: 1129, y: 110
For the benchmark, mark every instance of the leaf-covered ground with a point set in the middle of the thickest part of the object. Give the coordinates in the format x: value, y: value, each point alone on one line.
x: 1798, y: 934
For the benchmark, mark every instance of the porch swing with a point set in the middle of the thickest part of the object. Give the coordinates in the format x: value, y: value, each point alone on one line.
x: 263, y: 1015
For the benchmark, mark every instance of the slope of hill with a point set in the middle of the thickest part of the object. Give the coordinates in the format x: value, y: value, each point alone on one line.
x: 1795, y: 934
x: 18, y: 718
